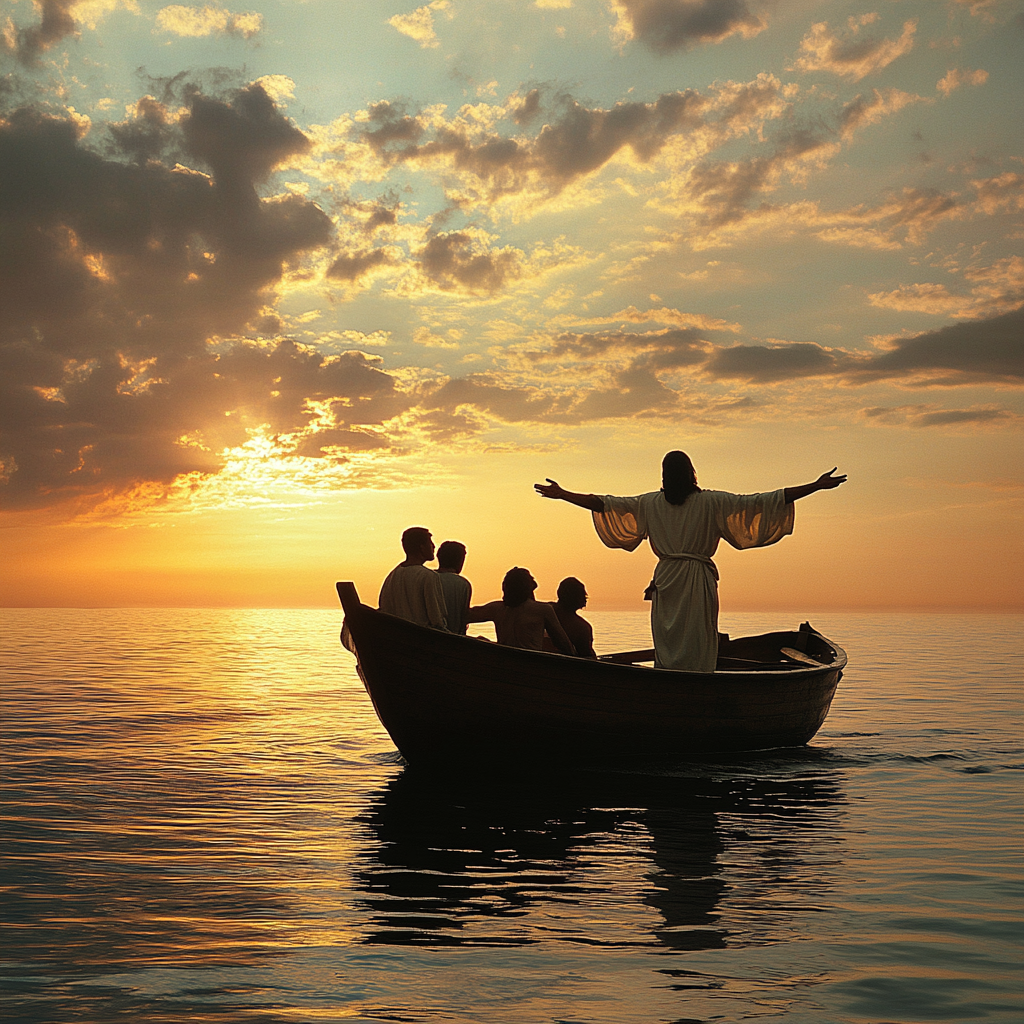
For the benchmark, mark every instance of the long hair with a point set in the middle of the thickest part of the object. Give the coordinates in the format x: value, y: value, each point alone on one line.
x: 517, y: 587
x: 678, y: 477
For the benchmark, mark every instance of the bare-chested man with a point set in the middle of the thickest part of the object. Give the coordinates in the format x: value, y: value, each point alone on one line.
x: 520, y: 620
x: 572, y: 596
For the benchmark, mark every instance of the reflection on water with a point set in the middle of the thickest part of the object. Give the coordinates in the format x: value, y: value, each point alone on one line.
x: 204, y: 821
x: 503, y: 862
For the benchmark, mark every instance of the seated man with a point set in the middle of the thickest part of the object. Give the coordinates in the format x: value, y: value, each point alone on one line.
x: 451, y: 557
x: 519, y: 620
x: 572, y: 596
x: 412, y: 591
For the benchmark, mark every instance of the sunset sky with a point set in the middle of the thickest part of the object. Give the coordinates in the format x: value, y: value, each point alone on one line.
x: 281, y: 280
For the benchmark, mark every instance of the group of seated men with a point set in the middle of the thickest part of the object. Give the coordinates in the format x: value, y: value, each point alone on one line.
x: 441, y: 599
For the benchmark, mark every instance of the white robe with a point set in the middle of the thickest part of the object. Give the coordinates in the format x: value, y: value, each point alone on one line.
x: 684, y: 612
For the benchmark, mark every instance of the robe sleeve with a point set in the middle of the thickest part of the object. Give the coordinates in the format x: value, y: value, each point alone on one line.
x: 754, y: 520
x: 619, y: 525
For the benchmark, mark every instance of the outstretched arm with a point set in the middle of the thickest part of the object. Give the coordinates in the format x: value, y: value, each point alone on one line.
x: 482, y: 612
x: 825, y: 482
x: 553, y: 490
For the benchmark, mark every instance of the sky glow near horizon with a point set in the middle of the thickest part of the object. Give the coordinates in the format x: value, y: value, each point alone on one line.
x: 283, y: 278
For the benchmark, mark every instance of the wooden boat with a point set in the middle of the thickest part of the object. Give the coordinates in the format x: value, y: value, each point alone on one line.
x: 444, y: 697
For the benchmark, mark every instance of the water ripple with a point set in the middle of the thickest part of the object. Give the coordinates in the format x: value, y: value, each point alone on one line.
x: 209, y: 824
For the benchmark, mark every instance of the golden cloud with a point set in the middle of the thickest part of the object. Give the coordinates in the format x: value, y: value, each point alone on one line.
x: 196, y: 22
x: 419, y: 24
x: 957, y: 77
x: 996, y: 288
x: 851, y: 55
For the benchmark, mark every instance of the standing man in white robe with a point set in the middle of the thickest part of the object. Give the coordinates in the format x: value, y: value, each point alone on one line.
x: 411, y: 590
x: 684, y: 525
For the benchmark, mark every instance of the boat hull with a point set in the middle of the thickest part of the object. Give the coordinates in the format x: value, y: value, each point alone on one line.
x: 444, y: 697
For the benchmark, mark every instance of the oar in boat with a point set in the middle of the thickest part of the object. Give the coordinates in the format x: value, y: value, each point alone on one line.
x: 795, y: 655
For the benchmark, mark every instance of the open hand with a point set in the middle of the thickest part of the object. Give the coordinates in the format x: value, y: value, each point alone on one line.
x: 550, y: 489
x: 827, y: 481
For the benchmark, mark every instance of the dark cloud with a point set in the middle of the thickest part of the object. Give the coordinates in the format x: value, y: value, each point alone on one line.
x: 973, y: 352
x: 584, y: 139
x: 381, y: 217
x: 146, y: 136
x: 352, y: 266
x: 952, y: 417
x: 978, y: 350
x: 56, y: 23
x: 966, y: 353
x: 525, y: 111
x: 636, y: 392
x: 369, y: 216
x: 923, y: 416
x: 669, y: 25
x: 316, y: 446
x: 488, y: 394
x: 726, y: 190
x: 391, y: 126
x: 778, y: 363
x: 455, y: 261
x: 117, y: 269
x: 241, y: 141
x: 100, y: 254
x: 576, y: 142
x: 445, y: 425
x: 272, y: 384
x: 659, y: 349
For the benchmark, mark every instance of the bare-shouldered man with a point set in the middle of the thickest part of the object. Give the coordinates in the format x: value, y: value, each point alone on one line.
x: 520, y: 620
x: 572, y: 596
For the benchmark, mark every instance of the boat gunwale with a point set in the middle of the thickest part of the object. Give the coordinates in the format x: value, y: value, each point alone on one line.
x: 839, y: 662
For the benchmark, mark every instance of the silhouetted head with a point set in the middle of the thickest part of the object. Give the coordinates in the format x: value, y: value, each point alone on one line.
x: 572, y: 594
x: 418, y: 544
x: 517, y: 587
x: 451, y: 555
x: 678, y: 477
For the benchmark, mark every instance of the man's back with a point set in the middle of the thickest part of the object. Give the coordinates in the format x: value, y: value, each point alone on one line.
x: 577, y: 629
x: 457, y: 594
x: 414, y: 592
x: 524, y: 625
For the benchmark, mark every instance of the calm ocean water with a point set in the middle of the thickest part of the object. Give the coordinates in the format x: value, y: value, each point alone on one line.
x: 205, y: 822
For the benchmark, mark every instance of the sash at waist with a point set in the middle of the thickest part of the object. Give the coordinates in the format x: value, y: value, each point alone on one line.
x: 686, y: 556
